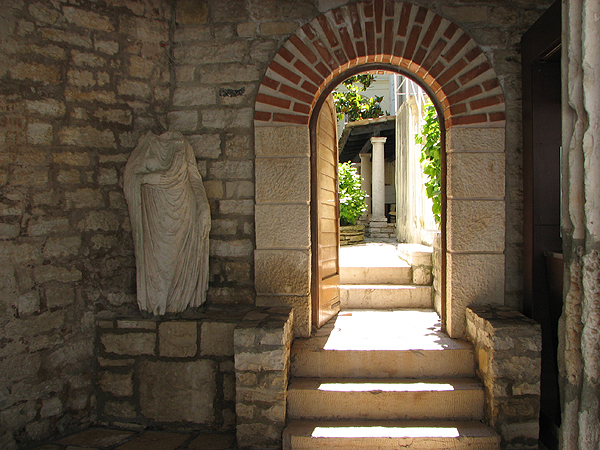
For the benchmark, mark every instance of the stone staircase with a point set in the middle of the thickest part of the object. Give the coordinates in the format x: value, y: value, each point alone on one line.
x: 382, y: 374
x: 373, y: 276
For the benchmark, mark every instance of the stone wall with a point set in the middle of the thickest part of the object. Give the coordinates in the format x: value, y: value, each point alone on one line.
x: 414, y: 219
x: 220, y: 51
x: 167, y: 371
x: 579, y: 341
x: 475, y: 222
x: 262, y: 344
x: 508, y: 349
x: 436, y: 272
x: 352, y: 234
x: 79, y: 83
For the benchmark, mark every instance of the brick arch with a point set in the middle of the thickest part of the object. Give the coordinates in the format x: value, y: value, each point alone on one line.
x: 399, y: 34
x: 412, y: 40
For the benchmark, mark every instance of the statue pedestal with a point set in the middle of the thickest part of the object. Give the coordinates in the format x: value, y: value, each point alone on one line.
x: 164, y: 370
x: 183, y: 370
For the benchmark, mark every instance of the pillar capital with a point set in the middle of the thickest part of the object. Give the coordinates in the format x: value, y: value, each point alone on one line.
x: 378, y: 139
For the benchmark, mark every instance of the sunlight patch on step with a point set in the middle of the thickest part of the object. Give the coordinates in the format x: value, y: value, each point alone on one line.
x: 388, y: 330
x: 385, y: 387
x: 371, y: 255
x: 385, y: 432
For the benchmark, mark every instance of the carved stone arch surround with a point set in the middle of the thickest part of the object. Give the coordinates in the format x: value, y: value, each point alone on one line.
x: 451, y: 65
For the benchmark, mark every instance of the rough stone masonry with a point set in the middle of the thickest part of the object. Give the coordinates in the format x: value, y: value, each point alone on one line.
x: 80, y: 81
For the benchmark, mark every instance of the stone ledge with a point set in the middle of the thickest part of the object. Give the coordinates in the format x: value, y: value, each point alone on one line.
x: 508, y: 354
x: 416, y: 254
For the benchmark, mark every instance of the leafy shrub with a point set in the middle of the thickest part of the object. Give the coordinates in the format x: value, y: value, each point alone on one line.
x: 352, y: 198
x: 431, y: 159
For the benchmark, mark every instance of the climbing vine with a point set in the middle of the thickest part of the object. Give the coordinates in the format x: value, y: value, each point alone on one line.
x: 431, y: 159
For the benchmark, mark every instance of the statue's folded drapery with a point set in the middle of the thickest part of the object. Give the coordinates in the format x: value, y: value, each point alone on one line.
x: 170, y: 220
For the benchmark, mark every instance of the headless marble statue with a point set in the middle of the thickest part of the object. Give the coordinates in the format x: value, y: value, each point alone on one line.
x: 170, y: 220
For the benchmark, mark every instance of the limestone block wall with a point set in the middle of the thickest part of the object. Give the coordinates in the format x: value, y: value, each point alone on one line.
x: 436, y: 272
x: 508, y: 353
x: 79, y: 83
x: 165, y: 371
x: 283, y: 240
x: 475, y: 221
x: 352, y: 234
x: 220, y: 52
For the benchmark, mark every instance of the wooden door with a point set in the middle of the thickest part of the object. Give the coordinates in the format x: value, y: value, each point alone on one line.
x: 542, y: 242
x: 325, y: 217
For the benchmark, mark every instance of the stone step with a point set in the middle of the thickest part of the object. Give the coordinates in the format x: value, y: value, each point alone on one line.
x: 377, y: 296
x: 402, y: 343
x: 313, y: 360
x: 385, y: 234
x: 392, y: 435
x: 373, y: 263
x: 373, y: 399
x: 415, y: 254
x: 400, y: 273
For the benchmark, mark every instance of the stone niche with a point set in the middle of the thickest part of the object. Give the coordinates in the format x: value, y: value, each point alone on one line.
x: 508, y: 349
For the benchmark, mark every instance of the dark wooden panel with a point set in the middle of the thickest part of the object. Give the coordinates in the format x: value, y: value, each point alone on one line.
x: 547, y: 139
x: 541, y: 49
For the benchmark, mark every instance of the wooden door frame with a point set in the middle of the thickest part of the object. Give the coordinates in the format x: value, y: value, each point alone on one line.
x: 313, y: 188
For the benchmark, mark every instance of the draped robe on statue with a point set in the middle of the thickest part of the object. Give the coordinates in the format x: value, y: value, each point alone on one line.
x: 170, y: 220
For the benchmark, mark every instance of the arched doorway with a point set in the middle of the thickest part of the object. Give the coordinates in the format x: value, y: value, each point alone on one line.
x: 408, y: 39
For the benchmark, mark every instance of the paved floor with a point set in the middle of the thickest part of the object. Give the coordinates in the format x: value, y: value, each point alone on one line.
x: 117, y: 439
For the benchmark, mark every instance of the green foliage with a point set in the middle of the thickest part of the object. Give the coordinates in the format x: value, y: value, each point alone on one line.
x: 431, y: 159
x: 353, y: 104
x: 352, y: 198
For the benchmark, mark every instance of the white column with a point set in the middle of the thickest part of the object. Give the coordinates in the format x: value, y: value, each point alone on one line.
x: 378, y: 202
x: 365, y: 179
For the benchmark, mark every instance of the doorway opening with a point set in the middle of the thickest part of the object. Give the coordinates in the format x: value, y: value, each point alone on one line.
x: 413, y: 41
x: 374, y: 137
x: 407, y: 122
x: 384, y: 149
